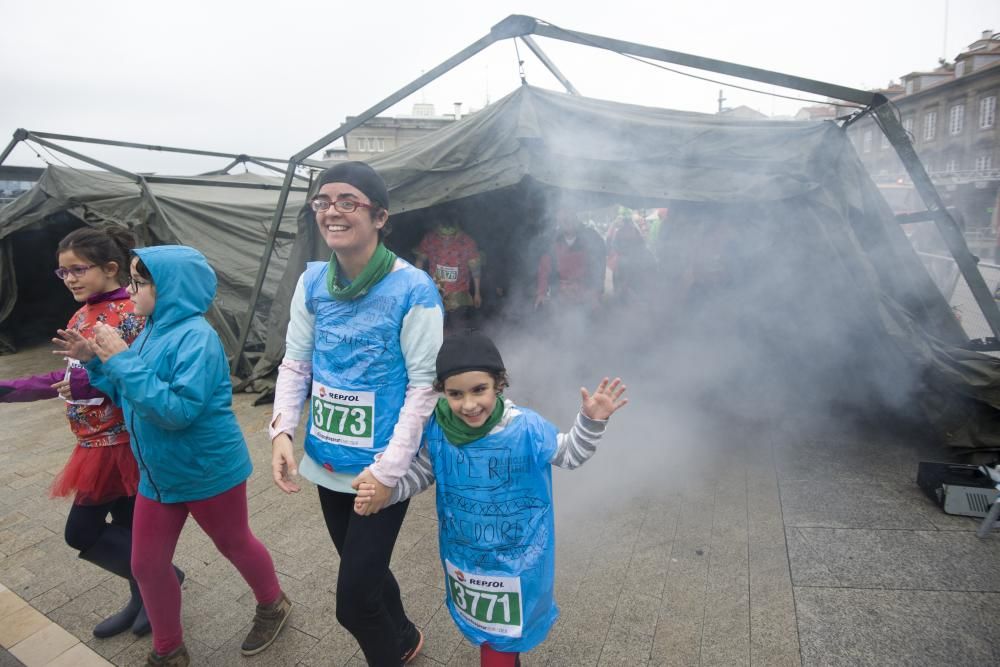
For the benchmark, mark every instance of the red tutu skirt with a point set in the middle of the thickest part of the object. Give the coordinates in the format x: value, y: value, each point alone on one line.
x: 97, y: 475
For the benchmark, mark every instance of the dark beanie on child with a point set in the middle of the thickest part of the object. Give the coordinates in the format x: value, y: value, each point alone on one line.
x: 467, y: 352
x: 361, y: 176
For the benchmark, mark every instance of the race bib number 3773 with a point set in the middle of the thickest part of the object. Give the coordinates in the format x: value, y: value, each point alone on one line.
x: 342, y: 417
x: 490, y: 603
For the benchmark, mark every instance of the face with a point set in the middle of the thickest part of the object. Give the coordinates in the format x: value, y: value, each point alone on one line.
x: 472, y: 396
x: 93, y: 280
x: 350, y: 232
x: 143, y: 292
x: 567, y: 223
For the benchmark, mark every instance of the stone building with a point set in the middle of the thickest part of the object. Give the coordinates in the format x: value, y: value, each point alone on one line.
x: 950, y: 113
x: 386, y: 133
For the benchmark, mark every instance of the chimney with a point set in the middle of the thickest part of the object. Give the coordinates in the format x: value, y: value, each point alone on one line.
x: 458, y: 110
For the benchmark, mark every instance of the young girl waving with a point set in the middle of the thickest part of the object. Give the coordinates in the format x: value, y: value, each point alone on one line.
x: 174, y: 387
x: 101, y: 473
x: 492, y: 462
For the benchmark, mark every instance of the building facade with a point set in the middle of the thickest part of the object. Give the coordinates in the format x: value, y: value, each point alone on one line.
x: 950, y: 114
x: 387, y: 133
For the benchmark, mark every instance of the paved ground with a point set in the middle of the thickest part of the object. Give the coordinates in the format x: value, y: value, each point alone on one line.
x: 764, y: 543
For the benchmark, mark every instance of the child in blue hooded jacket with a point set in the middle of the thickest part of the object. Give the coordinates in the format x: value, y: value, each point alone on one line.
x: 174, y: 388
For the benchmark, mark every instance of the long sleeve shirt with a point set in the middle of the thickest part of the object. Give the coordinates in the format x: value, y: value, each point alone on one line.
x: 573, y: 450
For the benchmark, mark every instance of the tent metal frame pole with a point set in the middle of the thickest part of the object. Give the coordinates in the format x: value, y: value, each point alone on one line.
x: 503, y: 30
x: 19, y: 136
x: 272, y: 234
x: 698, y: 62
x: 150, y: 147
x: 551, y: 66
x: 175, y: 180
x: 943, y: 220
x: 83, y: 158
x: 272, y: 167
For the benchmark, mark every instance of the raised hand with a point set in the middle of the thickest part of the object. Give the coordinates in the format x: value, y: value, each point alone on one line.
x: 71, y: 343
x: 605, y: 401
x: 107, y: 341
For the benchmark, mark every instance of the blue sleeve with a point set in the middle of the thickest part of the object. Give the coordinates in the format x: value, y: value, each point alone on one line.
x: 100, y: 381
x: 173, y: 403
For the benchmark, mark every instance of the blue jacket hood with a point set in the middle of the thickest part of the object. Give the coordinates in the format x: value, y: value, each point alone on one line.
x: 185, y: 283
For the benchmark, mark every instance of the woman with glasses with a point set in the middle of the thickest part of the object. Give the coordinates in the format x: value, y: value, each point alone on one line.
x: 363, y: 335
x: 101, y: 473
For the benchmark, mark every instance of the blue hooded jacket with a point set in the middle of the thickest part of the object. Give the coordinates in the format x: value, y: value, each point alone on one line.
x: 173, y: 386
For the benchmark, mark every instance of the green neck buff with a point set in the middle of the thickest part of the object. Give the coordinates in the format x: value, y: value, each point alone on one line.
x: 377, y: 268
x: 457, y: 431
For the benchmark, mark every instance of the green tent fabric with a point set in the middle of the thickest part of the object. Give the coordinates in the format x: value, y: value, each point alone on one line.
x: 800, y: 185
x: 228, y: 224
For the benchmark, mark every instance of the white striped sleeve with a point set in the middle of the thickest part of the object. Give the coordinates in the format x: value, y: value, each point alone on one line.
x: 419, y: 476
x: 574, y: 448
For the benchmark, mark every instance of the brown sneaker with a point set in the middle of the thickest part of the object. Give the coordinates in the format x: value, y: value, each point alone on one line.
x: 179, y: 657
x: 267, y: 624
x: 411, y: 653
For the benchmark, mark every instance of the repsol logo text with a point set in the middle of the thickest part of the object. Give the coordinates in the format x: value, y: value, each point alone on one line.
x: 485, y: 584
x: 341, y: 397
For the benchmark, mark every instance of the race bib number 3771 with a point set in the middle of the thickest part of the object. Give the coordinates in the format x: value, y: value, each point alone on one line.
x: 342, y: 417
x: 490, y: 603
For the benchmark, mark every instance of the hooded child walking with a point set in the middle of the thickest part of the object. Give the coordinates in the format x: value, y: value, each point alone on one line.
x: 174, y: 388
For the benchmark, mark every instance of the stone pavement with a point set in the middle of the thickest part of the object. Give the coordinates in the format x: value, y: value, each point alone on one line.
x: 749, y: 542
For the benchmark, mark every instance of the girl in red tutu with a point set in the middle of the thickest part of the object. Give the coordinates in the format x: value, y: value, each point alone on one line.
x: 101, y: 473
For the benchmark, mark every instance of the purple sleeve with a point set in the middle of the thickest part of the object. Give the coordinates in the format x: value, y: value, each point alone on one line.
x: 79, y: 385
x: 31, y: 388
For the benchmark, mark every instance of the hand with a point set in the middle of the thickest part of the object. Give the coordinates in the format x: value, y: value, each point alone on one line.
x: 71, y: 343
x: 540, y: 300
x: 107, y: 341
x: 605, y: 401
x: 381, y: 493
x: 283, y: 468
x: 477, y: 300
x: 62, y: 388
x: 362, y: 503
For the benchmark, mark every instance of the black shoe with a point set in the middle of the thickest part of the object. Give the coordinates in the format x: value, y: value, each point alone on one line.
x: 141, y: 626
x: 413, y: 649
x: 124, y: 619
x: 113, y: 552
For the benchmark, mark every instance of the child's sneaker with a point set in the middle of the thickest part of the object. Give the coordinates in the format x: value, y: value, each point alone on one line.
x: 179, y: 657
x: 415, y: 645
x: 267, y: 624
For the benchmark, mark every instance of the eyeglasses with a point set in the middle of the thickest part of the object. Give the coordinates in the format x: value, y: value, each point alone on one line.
x: 343, y: 205
x: 77, y: 271
x: 136, y: 285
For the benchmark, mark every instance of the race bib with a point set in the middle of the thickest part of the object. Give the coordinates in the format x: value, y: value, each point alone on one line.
x: 343, y: 417
x: 447, y: 274
x: 490, y: 603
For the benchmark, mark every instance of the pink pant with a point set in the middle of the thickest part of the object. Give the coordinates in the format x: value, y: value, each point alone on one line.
x: 155, y: 530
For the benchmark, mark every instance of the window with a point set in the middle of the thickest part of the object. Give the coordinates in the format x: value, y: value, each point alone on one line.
x: 984, y: 162
x: 885, y: 141
x: 380, y: 147
x: 956, y: 118
x: 930, y: 125
x: 951, y: 165
x: 987, y: 112
x: 908, y: 126
x: 866, y: 141
x: 362, y: 144
x: 909, y: 87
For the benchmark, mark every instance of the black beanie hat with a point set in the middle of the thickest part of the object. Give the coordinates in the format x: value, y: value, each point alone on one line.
x: 361, y: 176
x: 467, y: 352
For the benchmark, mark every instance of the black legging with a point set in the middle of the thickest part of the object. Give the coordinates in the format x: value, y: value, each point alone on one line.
x: 85, y: 523
x: 368, y: 602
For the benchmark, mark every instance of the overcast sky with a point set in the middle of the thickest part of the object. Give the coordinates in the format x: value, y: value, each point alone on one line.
x: 269, y: 78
